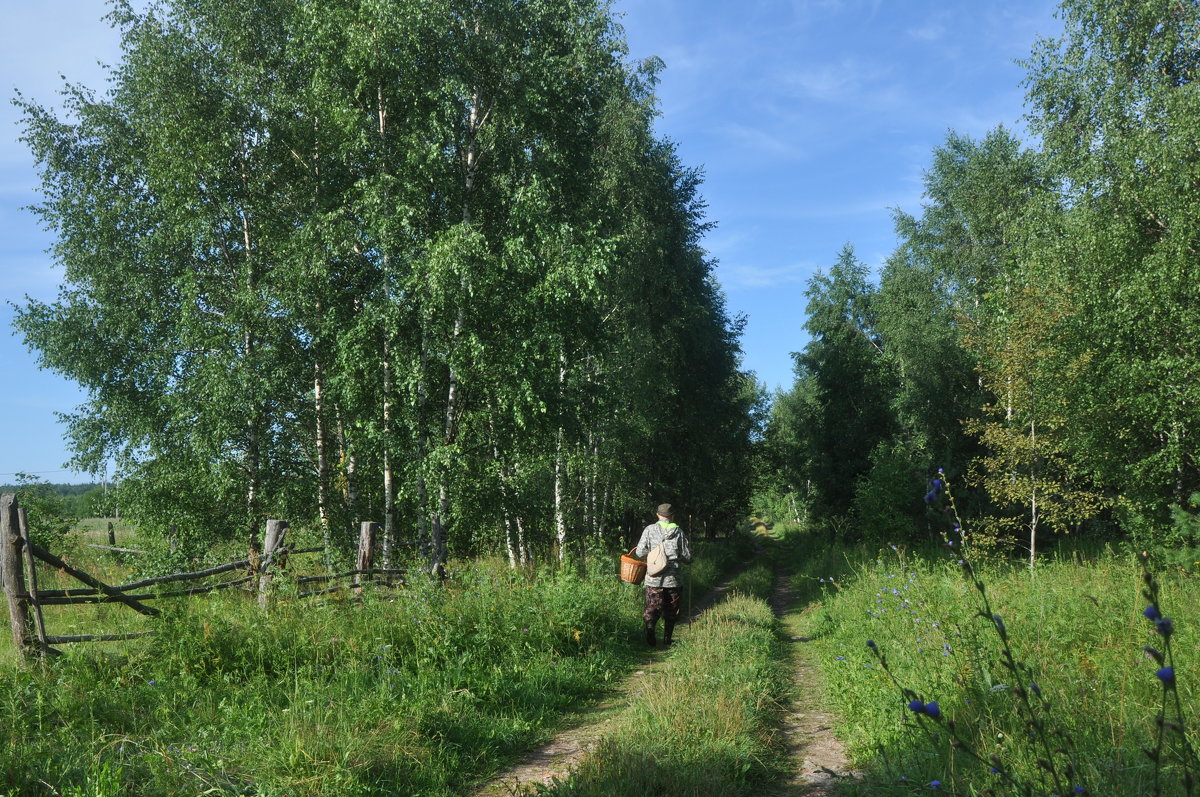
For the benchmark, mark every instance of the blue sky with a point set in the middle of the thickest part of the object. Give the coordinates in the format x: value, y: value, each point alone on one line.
x: 812, y: 120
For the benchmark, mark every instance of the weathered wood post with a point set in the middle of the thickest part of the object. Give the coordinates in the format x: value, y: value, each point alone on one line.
x: 14, y: 580
x: 276, y: 533
x: 366, y: 550
x: 31, y: 583
x: 112, y: 535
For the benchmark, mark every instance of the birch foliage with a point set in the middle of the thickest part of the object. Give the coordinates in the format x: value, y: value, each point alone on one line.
x: 423, y: 261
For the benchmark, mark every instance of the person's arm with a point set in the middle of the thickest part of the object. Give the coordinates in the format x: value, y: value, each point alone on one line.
x: 685, y: 549
x: 643, y: 546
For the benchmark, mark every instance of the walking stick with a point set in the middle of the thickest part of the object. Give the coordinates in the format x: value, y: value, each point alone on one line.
x: 689, y: 599
x: 689, y: 609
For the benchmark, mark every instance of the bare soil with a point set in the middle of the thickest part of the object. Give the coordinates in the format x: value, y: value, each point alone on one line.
x: 820, y: 759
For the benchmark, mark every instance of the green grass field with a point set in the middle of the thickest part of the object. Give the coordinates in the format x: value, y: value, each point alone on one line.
x: 424, y: 690
x: 432, y: 688
x: 1076, y: 631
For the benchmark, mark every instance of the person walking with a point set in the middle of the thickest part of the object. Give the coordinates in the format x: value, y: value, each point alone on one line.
x: 664, y: 598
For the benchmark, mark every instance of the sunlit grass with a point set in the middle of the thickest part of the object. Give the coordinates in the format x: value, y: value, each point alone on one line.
x: 423, y: 690
x: 1077, y: 625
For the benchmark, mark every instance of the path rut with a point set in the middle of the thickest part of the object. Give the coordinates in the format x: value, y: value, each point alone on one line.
x: 821, y: 762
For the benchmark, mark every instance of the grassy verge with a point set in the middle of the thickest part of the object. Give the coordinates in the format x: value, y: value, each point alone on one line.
x: 1077, y: 626
x: 705, y: 724
x: 421, y: 691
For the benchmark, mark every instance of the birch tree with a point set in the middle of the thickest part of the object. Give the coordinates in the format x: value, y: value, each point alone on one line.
x: 396, y: 258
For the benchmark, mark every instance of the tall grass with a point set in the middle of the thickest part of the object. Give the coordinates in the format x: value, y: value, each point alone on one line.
x: 1076, y: 628
x: 421, y: 691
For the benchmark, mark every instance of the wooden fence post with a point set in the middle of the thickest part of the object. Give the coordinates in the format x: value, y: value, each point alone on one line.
x: 276, y: 532
x: 32, y: 585
x: 14, y: 581
x: 112, y: 535
x: 366, y: 549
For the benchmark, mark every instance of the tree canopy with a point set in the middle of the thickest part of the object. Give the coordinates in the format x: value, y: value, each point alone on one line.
x: 421, y: 263
x: 1036, y: 330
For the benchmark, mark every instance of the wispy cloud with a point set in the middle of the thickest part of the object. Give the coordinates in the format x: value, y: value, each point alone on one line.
x: 805, y: 10
x: 877, y: 205
x: 762, y: 141
x: 931, y: 31
x: 849, y: 81
x: 29, y: 275
x: 743, y: 276
x: 719, y: 242
x: 831, y: 82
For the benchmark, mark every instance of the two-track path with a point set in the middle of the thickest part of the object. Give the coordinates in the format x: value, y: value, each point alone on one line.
x: 820, y: 760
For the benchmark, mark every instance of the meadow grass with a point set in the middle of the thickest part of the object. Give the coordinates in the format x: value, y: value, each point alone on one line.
x: 1076, y: 630
x: 705, y: 721
x: 424, y: 690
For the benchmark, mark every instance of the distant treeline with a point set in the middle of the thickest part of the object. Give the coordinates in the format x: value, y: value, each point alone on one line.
x: 72, y: 500
x: 64, y: 490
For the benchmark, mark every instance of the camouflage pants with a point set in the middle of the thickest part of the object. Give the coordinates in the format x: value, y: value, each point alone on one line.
x: 663, y: 602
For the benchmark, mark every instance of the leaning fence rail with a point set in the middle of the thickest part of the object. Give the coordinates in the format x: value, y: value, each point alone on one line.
x: 18, y: 572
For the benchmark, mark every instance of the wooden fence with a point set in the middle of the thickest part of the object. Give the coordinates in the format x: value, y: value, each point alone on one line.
x: 18, y: 557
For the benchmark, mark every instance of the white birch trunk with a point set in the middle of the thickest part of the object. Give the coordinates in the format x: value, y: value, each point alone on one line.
x: 510, y: 541
x: 560, y: 518
x: 389, y: 491
x: 351, y: 468
x: 423, y: 535
x: 560, y: 471
x: 1033, y: 504
x: 322, y: 462
x: 253, y: 454
x: 523, y: 542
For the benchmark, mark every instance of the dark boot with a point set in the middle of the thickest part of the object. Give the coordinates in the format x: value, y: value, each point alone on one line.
x: 650, y: 634
x: 668, y: 631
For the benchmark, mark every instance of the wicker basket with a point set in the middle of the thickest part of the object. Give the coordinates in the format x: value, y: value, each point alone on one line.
x: 633, y: 570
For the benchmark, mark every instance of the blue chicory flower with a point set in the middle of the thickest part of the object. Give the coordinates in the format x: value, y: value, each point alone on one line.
x: 931, y: 708
x: 1151, y: 613
x: 1166, y: 675
x: 1164, y: 626
x: 916, y: 706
